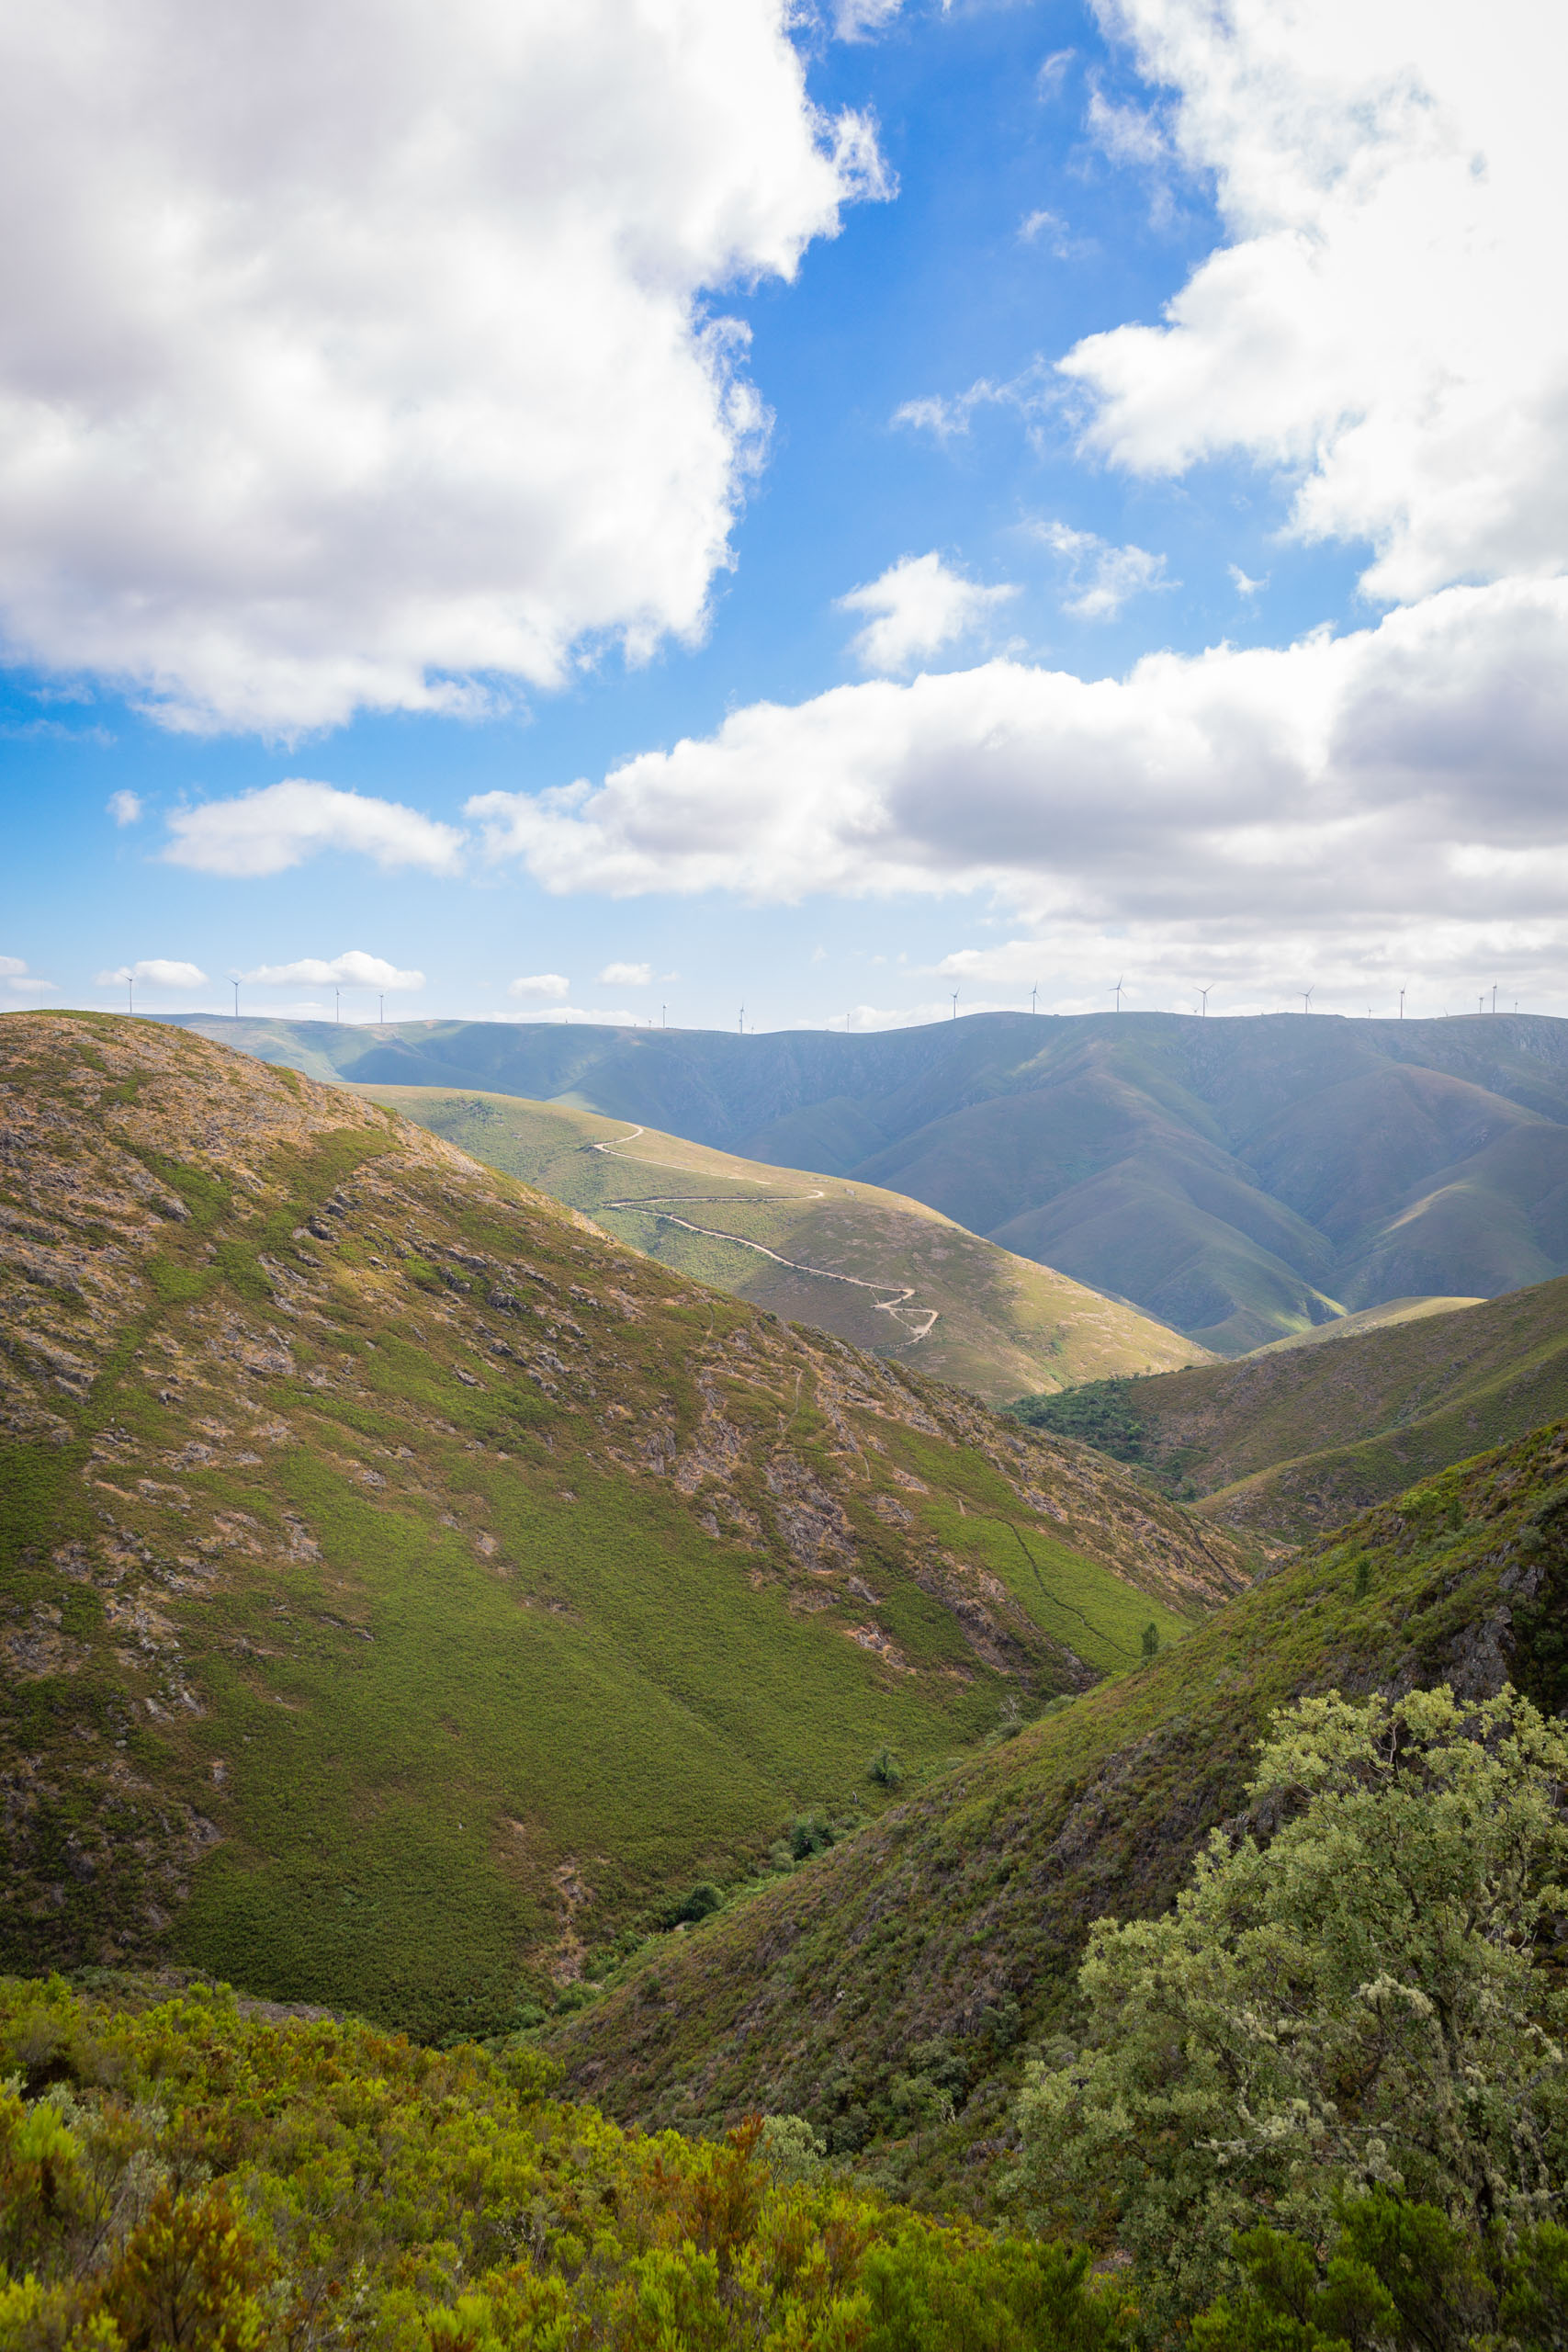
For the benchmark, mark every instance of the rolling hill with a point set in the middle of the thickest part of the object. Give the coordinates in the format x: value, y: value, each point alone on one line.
x: 1238, y: 1180
x: 922, y: 1961
x: 405, y: 1587
x: 884, y: 1272
x: 1295, y: 1439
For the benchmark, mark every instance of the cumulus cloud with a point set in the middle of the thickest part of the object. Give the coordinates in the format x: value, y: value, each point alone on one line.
x: 357, y: 353
x: 1379, y: 321
x: 156, y: 972
x: 125, y: 808
x: 1400, y: 779
x: 281, y: 825
x: 1104, y: 577
x: 353, y: 970
x: 541, y: 984
x: 627, y: 975
x: 916, y: 607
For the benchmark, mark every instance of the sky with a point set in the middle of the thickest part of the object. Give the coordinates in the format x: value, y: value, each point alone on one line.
x: 721, y: 512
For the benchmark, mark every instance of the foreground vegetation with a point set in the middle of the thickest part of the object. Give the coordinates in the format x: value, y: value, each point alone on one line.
x: 194, y: 2177
x: 1320, y: 2106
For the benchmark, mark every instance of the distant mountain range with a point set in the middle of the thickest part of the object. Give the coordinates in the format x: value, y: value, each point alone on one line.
x: 1239, y: 1179
x: 879, y: 1270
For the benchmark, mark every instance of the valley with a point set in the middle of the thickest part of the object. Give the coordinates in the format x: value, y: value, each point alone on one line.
x: 928, y: 1959
x: 410, y: 1591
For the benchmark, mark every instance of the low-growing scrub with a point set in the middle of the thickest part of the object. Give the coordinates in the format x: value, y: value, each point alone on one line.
x: 188, y: 2175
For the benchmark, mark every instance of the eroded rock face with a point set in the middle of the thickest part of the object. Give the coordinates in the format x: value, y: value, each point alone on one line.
x: 205, y: 1265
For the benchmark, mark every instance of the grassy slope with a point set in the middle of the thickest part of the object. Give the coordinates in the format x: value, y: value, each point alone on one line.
x: 943, y: 1940
x: 1293, y: 1440
x: 1368, y: 1318
x: 1002, y: 1325
x: 402, y: 1584
x: 1240, y: 1180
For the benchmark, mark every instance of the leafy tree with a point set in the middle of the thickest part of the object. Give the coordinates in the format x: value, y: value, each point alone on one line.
x: 1357, y: 2005
x: 1151, y: 1639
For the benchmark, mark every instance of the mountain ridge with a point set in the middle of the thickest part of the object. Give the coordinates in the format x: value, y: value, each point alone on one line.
x: 1238, y: 1180
x: 405, y: 1587
x: 877, y: 1269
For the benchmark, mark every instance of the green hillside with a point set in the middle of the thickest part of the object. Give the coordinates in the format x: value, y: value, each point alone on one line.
x: 406, y: 1589
x: 886, y: 1274
x: 916, y: 1967
x: 1240, y: 1180
x: 1293, y: 1440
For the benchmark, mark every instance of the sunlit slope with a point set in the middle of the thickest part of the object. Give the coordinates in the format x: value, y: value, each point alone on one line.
x: 886, y: 1274
x: 1239, y: 1179
x: 921, y: 1962
x: 404, y: 1585
x: 1296, y: 1439
x: 1368, y: 1318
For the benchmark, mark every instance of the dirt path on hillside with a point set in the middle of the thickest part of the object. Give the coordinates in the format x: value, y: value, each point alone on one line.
x: 919, y: 1323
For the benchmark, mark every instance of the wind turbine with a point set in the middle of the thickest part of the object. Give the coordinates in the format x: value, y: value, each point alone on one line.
x: 743, y: 1021
x: 1481, y: 1004
x: 337, y: 1001
x: 381, y: 1018
x: 130, y: 995
x: 955, y: 1004
x: 662, y: 1021
x: 1402, y: 1004
x: 1494, y: 1000
x: 1117, y: 992
x: 1034, y: 998
x: 1307, y: 995
x: 236, y: 999
x: 1204, y: 994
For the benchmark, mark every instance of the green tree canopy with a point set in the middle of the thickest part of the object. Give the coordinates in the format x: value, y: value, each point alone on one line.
x: 1357, y: 2004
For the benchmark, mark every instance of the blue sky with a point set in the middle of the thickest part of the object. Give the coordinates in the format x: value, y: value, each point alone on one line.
x: 841, y: 839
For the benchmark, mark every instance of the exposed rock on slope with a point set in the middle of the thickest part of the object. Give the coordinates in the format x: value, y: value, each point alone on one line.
x: 386, y: 1551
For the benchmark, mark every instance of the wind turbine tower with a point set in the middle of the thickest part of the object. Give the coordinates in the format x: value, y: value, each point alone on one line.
x: 236, y: 999
x: 955, y: 1004
x: 1204, y: 994
x: 1117, y: 992
x: 1034, y: 998
x: 1307, y: 995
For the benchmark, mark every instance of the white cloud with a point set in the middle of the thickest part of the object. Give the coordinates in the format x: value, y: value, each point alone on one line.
x: 1244, y: 584
x: 125, y: 808
x: 156, y: 972
x: 353, y: 970
x: 280, y: 826
x: 627, y: 975
x: 917, y: 606
x: 1391, y: 177
x: 358, y: 353
x: 857, y: 19
x: 544, y: 984
x: 1250, y: 801
x: 1104, y: 577
x: 1125, y: 134
x: 20, y: 984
